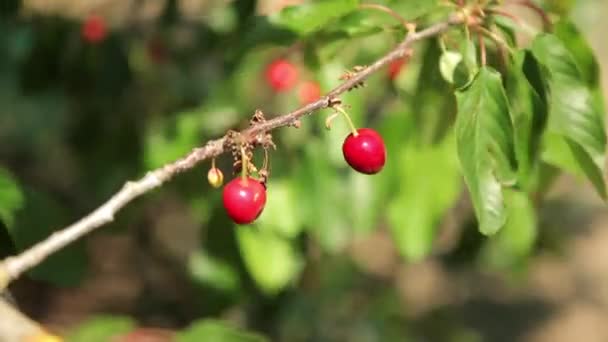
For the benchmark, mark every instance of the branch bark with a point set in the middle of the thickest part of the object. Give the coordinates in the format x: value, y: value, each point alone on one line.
x: 12, y: 267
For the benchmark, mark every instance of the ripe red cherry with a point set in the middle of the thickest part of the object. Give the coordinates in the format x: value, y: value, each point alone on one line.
x: 309, y: 92
x: 365, y: 152
x: 395, y: 68
x: 282, y: 75
x: 94, y: 29
x: 244, y: 199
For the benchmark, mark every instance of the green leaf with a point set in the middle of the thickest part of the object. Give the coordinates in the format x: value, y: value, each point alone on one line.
x: 484, y: 137
x: 280, y: 213
x: 213, y: 272
x: 580, y: 50
x: 172, y: 138
x: 11, y: 198
x: 469, y: 57
x: 320, y: 190
x: 101, y: 329
x: 528, y: 112
x: 447, y: 64
x: 413, y: 9
x: 574, y: 114
x: 40, y: 217
x: 430, y: 182
x: 272, y: 261
x: 513, y: 244
x: 310, y: 17
x: 208, y: 330
x: 433, y: 110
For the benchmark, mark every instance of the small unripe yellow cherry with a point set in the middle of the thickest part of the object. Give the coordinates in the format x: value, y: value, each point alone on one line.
x: 215, y: 177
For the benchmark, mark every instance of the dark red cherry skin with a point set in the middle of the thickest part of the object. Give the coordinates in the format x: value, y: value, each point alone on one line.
x: 282, y: 75
x: 365, y: 152
x: 244, y: 199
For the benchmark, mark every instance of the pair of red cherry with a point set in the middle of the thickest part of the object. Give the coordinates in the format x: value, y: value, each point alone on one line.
x: 244, y: 197
x: 283, y: 75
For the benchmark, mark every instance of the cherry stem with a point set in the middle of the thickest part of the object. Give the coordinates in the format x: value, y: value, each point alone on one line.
x: 539, y: 11
x: 213, y: 163
x: 265, y: 164
x: 482, y: 48
x: 348, y: 120
x: 506, y: 14
x: 495, y: 37
x: 243, y: 164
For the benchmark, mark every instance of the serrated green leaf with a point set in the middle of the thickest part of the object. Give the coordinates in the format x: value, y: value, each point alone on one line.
x: 430, y: 183
x: 11, y: 198
x: 310, y: 17
x: 529, y: 114
x: 272, y: 260
x: 447, y: 64
x: 573, y: 112
x: 484, y: 137
x: 209, y: 330
x: 101, y: 329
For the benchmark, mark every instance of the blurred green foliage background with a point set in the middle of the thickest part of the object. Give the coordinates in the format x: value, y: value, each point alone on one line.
x: 336, y: 256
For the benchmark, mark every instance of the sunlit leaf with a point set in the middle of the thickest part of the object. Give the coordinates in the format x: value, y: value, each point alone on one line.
x: 573, y: 113
x: 309, y: 17
x: 484, y: 136
x: 11, y: 198
x: 280, y: 213
x: 429, y: 184
x: 447, y: 64
x: 101, y: 329
x: 213, y: 272
x: 272, y: 260
x: 209, y: 330
x: 529, y: 114
x: 512, y: 245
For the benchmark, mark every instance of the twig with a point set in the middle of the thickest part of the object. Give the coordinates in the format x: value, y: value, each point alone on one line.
x: 12, y: 267
x: 14, y: 326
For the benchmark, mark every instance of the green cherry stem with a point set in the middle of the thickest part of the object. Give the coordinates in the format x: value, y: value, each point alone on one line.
x: 243, y: 164
x: 347, y: 117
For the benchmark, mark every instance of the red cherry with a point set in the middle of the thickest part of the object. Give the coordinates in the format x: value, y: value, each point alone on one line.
x: 309, y: 92
x: 365, y: 152
x: 395, y: 68
x: 94, y: 29
x: 281, y: 75
x: 244, y: 199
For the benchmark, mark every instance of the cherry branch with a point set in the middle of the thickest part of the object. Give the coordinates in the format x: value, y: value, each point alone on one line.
x: 12, y: 267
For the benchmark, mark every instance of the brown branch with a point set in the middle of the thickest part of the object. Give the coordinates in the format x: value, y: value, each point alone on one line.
x: 12, y: 267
